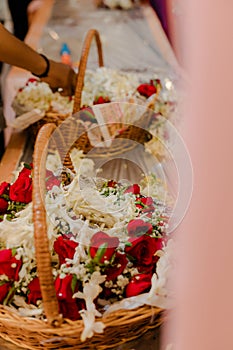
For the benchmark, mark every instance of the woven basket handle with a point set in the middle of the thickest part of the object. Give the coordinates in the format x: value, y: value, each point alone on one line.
x: 92, y: 33
x: 43, y: 256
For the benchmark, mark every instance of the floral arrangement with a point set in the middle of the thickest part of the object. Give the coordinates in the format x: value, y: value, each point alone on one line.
x: 37, y: 95
x: 118, y: 4
x: 105, y: 85
x: 108, y: 244
x: 100, y: 86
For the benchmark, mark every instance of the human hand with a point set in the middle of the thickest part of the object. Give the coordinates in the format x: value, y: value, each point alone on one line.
x: 62, y: 77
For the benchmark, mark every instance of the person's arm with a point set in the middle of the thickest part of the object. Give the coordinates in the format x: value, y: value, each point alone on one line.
x: 17, y: 53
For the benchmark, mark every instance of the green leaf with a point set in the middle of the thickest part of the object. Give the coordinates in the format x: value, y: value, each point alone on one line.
x: 142, y: 204
x: 9, y: 296
x: 3, y: 282
x: 100, y: 252
x: 128, y: 244
x: 13, y: 251
x: 27, y: 166
x: 74, y: 283
x: 5, y: 196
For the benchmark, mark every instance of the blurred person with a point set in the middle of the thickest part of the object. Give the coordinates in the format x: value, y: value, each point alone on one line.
x: 3, y: 6
x: 16, y: 53
x: 32, y: 8
x: 18, y: 10
x: 160, y: 7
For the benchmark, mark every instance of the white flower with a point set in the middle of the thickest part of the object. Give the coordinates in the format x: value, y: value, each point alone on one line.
x: 19, y: 231
x: 160, y: 293
x: 90, y: 326
x: 91, y: 290
x: 26, y: 310
x: 82, y: 165
x: 124, y: 4
x: 35, y: 95
x: 110, y: 3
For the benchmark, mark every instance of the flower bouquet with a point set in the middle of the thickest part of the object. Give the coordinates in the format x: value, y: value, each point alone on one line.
x: 99, y: 87
x: 102, y: 87
x: 104, y: 249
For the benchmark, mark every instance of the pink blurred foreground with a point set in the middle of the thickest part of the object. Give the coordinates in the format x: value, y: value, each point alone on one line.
x: 203, y: 319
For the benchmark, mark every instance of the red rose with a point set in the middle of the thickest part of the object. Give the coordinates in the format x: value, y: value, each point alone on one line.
x: 117, y: 267
x: 135, y: 189
x: 4, y: 290
x: 144, y: 201
x: 32, y: 80
x: 51, y: 180
x: 21, y: 189
x: 3, y: 206
x: 138, y: 227
x: 4, y: 188
x: 146, y: 89
x: 65, y: 248
x: 140, y: 283
x: 26, y: 171
x: 34, y: 291
x: 145, y: 204
x: 112, y: 183
x: 101, y: 99
x: 68, y: 306
x: 148, y: 210
x: 103, y: 246
x: 143, y: 249
x: 9, y: 265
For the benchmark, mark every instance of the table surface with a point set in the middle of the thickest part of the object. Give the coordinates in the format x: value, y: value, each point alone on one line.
x: 132, y: 40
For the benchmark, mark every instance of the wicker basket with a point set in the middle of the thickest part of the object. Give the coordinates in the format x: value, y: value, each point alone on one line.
x: 58, y: 118
x: 56, y: 333
x: 124, y: 133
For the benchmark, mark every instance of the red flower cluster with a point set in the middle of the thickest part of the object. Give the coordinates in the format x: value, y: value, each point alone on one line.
x: 10, y: 267
x: 14, y: 197
x: 101, y: 99
x: 149, y: 89
x: 21, y: 189
x: 34, y: 293
x: 65, y: 248
x: 51, y: 180
x: 105, y: 252
x: 103, y: 247
x: 144, y: 204
x: 142, y: 251
x: 30, y: 80
x: 4, y: 194
x: 66, y: 287
x: 128, y: 265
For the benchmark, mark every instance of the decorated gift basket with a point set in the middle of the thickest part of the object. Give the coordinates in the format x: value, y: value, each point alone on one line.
x: 96, y: 280
x: 36, y: 102
x: 94, y: 275
x: 84, y: 259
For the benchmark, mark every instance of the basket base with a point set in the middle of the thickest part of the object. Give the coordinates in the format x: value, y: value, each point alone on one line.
x: 148, y: 341
x: 121, y: 328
